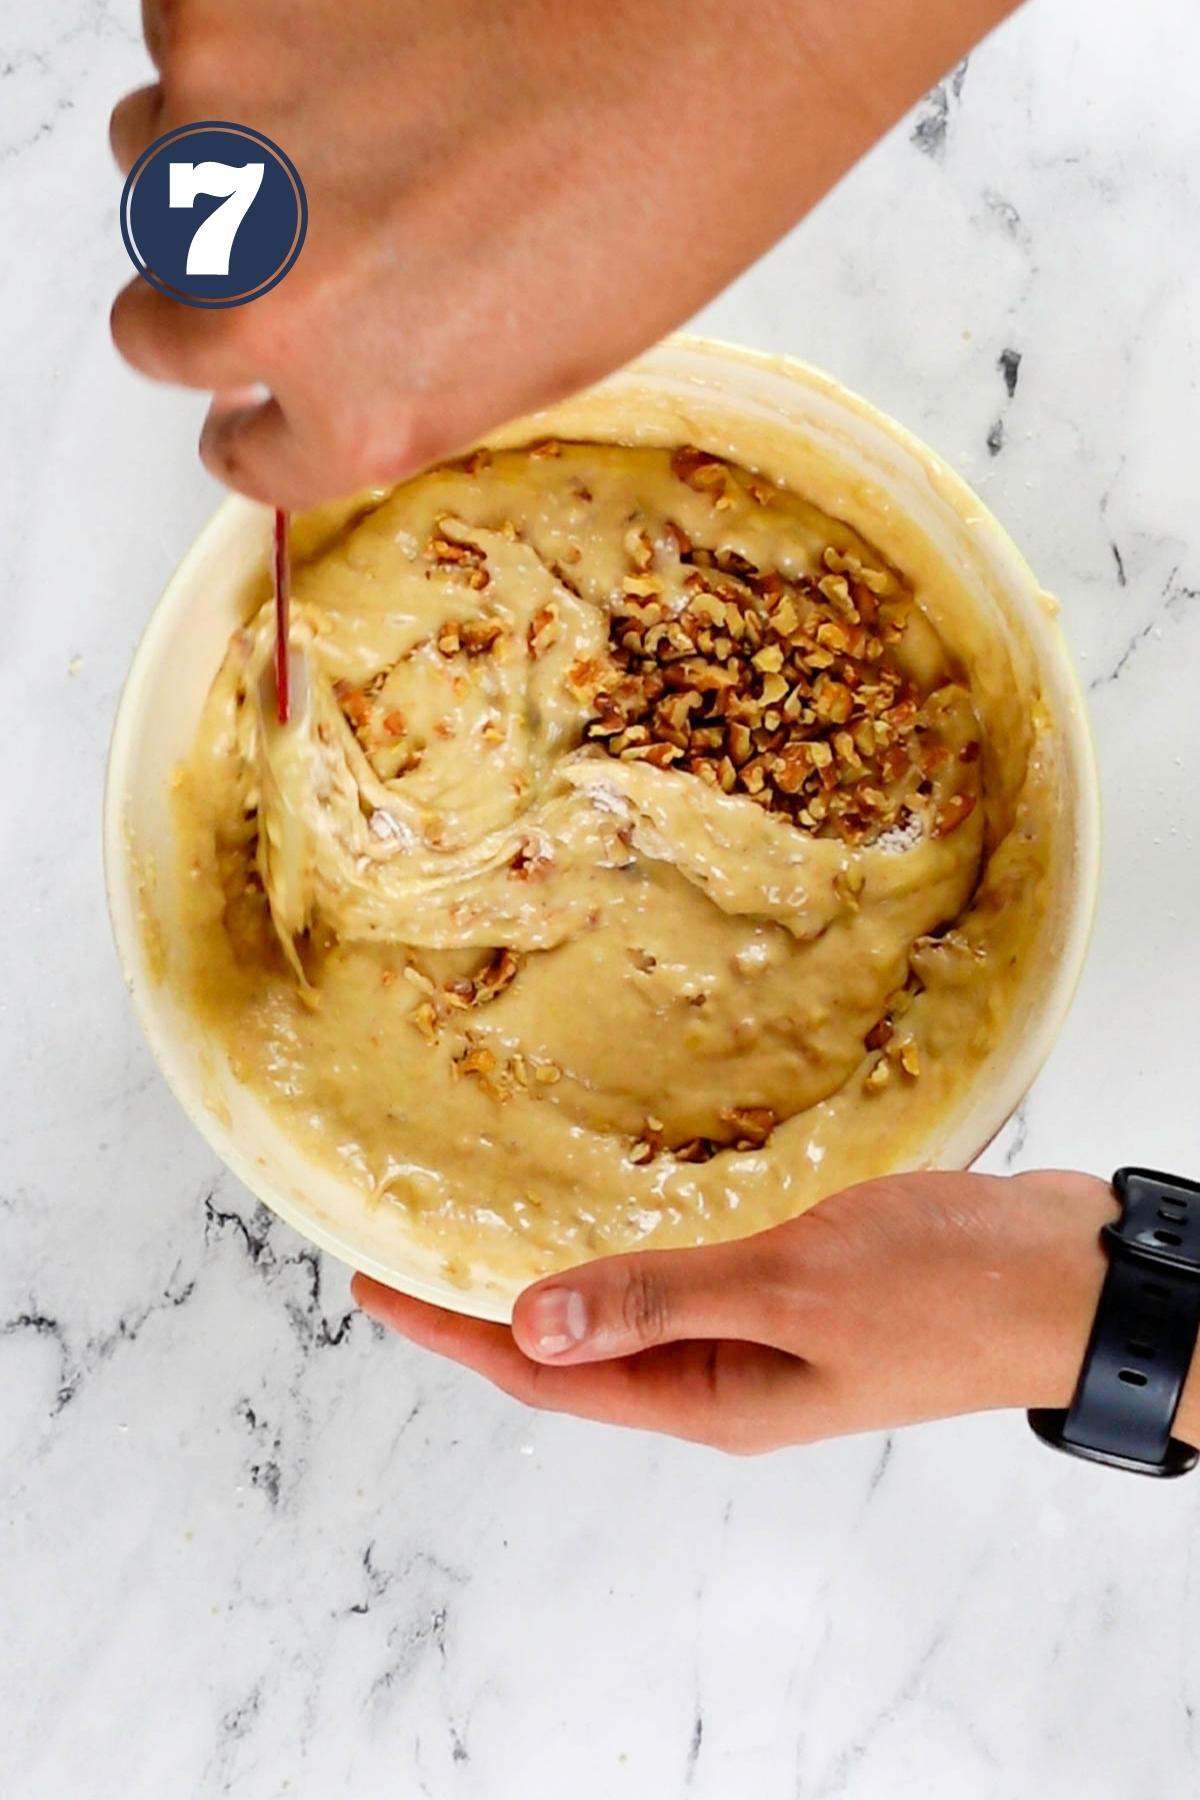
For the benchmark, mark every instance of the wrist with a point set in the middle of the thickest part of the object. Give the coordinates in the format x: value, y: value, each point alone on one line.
x: 1187, y: 1418
x: 1059, y: 1216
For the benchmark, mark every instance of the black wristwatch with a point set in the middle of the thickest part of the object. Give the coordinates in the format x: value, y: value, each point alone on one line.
x: 1144, y: 1334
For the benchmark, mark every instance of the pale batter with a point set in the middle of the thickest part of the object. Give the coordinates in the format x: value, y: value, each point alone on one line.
x: 637, y: 868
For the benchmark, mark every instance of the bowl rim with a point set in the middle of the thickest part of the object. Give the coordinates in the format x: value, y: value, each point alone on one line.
x: 236, y: 512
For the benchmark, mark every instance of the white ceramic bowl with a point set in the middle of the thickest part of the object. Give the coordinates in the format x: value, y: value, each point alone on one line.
x: 771, y: 413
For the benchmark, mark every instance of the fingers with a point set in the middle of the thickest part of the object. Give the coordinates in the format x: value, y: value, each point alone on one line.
x: 248, y: 441
x: 157, y: 16
x: 624, y: 1304
x: 256, y: 450
x: 135, y: 123
x: 319, y: 447
x: 293, y: 454
x: 738, y: 1397
x: 185, y: 344
x: 473, y: 1342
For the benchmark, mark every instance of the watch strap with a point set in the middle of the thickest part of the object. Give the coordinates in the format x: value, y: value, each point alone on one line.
x: 1143, y: 1336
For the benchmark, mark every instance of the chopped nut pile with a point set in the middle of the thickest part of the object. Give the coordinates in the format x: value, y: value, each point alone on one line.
x: 780, y: 690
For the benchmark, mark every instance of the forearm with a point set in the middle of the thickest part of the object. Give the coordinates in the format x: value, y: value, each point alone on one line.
x: 804, y: 88
x: 756, y: 113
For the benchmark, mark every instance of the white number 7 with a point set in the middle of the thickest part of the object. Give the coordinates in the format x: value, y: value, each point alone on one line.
x: 208, y: 252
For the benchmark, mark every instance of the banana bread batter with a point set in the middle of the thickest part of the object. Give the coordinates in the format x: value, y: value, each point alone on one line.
x: 636, y: 868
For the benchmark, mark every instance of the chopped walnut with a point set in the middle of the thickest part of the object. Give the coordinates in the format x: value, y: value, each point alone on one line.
x: 481, y: 1064
x: 480, y: 635
x: 639, y: 549
x: 955, y: 810
x: 533, y: 862
x: 751, y: 1125
x: 355, y: 704
x: 424, y: 1019
x: 705, y: 473
x: 543, y: 630
x: 878, y: 1077
x: 909, y: 1057
x: 499, y: 973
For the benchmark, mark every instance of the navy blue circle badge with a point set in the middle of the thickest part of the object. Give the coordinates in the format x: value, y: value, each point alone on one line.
x: 213, y: 214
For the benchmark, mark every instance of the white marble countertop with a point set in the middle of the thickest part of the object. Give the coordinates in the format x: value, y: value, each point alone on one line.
x: 252, y: 1548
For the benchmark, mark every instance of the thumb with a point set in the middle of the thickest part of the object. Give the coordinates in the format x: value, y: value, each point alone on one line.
x: 623, y: 1304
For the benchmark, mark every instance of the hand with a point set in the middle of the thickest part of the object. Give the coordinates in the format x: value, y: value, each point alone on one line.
x: 508, y: 198
x: 912, y: 1297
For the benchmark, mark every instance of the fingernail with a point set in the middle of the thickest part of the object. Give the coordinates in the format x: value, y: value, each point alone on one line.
x: 558, y: 1318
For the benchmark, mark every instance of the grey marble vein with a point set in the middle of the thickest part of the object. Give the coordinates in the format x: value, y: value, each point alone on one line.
x: 255, y: 1548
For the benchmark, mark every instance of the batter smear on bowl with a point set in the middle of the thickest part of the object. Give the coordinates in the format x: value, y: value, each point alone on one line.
x: 634, y: 867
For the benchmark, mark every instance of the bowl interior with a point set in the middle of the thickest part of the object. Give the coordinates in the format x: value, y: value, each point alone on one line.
x: 775, y: 415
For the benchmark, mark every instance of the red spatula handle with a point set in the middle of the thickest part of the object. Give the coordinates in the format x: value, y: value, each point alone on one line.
x: 282, y: 592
